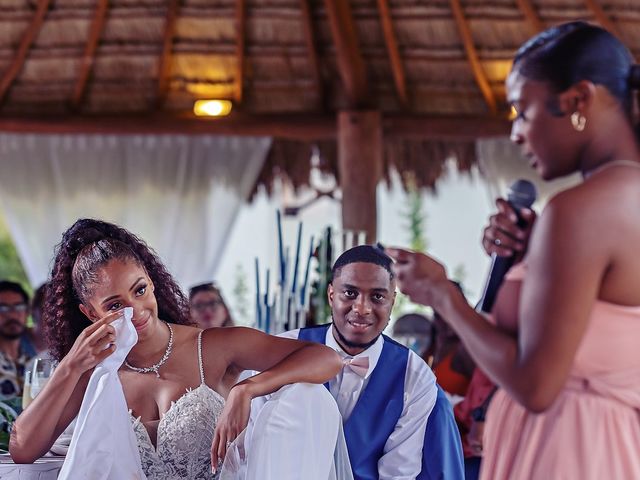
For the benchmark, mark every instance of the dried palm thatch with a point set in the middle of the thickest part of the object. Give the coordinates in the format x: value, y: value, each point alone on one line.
x: 91, y: 58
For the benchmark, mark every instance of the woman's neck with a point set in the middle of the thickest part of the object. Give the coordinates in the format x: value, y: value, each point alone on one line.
x: 151, y: 346
x: 614, y: 140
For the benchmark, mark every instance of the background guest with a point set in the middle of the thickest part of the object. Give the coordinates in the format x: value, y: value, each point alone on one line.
x: 15, y: 349
x: 207, y: 307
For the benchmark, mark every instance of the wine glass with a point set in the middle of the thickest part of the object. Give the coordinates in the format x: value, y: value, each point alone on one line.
x: 42, y: 370
x: 26, y: 390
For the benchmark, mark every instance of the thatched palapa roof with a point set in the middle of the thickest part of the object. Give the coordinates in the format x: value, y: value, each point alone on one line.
x: 435, y: 69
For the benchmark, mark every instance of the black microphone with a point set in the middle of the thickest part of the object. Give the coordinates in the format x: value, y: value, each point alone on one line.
x: 521, y: 194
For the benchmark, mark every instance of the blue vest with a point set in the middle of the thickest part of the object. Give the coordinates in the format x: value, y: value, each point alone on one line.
x: 378, y: 410
x: 382, y: 401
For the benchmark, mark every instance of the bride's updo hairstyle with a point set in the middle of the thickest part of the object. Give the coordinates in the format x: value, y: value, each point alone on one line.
x: 85, y: 248
x: 566, y: 54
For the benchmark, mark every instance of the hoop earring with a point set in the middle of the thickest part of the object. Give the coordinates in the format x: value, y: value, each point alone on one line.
x: 578, y: 121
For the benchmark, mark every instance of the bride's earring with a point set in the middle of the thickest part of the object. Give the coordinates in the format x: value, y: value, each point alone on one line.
x: 578, y: 121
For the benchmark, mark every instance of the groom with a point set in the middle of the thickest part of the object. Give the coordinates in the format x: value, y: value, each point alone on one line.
x: 398, y: 423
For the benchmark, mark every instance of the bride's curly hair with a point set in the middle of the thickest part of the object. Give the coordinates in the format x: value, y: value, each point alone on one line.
x: 86, y: 247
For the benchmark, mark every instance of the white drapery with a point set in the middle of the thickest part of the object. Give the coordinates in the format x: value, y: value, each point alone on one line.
x: 179, y: 193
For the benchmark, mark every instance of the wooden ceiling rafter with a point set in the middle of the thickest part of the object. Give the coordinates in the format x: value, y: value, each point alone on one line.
x: 391, y: 41
x: 472, y: 56
x: 30, y: 35
x: 310, y: 40
x: 351, y: 66
x: 88, y: 57
x: 164, y: 63
x: 310, y: 126
x: 241, y: 17
x: 531, y: 16
x: 601, y: 17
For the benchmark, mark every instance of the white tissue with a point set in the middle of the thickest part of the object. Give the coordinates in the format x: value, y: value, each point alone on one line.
x: 104, y: 446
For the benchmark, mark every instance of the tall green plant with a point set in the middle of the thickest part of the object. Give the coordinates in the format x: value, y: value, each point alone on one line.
x: 415, y: 220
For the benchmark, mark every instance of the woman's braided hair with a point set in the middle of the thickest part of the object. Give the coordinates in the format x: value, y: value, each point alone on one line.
x: 85, y: 248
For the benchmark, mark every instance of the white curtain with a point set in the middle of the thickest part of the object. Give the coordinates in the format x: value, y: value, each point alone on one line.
x: 179, y: 193
x: 501, y: 164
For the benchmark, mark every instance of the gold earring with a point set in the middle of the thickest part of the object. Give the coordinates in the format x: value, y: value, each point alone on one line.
x: 578, y: 121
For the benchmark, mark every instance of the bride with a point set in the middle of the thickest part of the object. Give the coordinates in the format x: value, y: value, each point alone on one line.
x: 101, y: 268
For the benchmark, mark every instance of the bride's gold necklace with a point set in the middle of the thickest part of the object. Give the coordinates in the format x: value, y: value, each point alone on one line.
x: 163, y: 360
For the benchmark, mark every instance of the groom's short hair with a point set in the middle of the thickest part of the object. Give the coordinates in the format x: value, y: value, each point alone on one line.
x: 362, y: 254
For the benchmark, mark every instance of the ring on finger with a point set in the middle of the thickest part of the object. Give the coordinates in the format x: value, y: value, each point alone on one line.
x: 497, y: 242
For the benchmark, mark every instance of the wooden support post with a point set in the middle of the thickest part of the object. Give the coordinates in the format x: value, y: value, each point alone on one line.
x: 360, y: 168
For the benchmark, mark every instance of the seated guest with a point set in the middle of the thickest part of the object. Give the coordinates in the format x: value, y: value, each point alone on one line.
x: 415, y: 331
x: 207, y: 307
x: 470, y: 414
x: 99, y: 269
x: 398, y: 423
x: 451, y: 364
x: 15, y: 349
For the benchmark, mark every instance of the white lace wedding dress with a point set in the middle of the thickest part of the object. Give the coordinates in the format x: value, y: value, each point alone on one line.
x: 293, y: 433
x: 185, y: 434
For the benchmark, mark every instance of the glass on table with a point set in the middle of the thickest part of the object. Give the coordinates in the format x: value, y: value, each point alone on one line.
x: 26, y: 390
x: 42, y: 370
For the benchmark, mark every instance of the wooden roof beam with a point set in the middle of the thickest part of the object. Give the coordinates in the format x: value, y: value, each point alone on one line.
x: 27, y: 40
x: 310, y: 40
x: 241, y: 15
x: 86, y: 64
x: 601, y: 17
x: 350, y: 60
x: 164, y: 64
x: 292, y: 126
x: 530, y: 14
x: 472, y: 56
x: 399, y: 78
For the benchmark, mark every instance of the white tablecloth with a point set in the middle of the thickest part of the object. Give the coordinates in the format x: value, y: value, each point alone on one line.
x: 44, y: 469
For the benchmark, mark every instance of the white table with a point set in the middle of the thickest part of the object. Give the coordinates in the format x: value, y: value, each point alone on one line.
x: 46, y: 468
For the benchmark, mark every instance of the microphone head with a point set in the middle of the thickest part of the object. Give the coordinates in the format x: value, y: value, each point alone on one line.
x: 522, y: 193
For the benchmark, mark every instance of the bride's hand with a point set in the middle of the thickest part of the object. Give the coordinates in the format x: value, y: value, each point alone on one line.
x: 232, y: 421
x: 94, y: 344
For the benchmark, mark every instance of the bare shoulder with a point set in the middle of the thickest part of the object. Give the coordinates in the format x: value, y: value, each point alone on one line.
x: 226, y: 337
x: 225, y: 341
x: 608, y: 199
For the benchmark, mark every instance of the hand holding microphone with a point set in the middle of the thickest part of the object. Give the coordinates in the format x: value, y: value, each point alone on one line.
x: 507, y: 236
x: 504, y: 235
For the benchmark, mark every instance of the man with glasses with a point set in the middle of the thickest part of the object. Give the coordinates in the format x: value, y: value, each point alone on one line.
x: 14, y: 352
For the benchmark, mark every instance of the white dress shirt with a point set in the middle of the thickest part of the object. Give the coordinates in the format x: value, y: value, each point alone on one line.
x: 402, y: 457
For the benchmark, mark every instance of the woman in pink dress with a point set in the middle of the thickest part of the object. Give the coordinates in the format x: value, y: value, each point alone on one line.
x: 564, y: 348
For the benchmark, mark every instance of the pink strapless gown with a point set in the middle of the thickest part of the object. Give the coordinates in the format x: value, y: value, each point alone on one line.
x: 592, y: 430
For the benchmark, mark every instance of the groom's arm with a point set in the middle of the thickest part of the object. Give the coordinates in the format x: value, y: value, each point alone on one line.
x: 402, y: 458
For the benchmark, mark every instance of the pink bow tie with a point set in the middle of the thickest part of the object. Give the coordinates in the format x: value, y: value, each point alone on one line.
x: 359, y: 366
